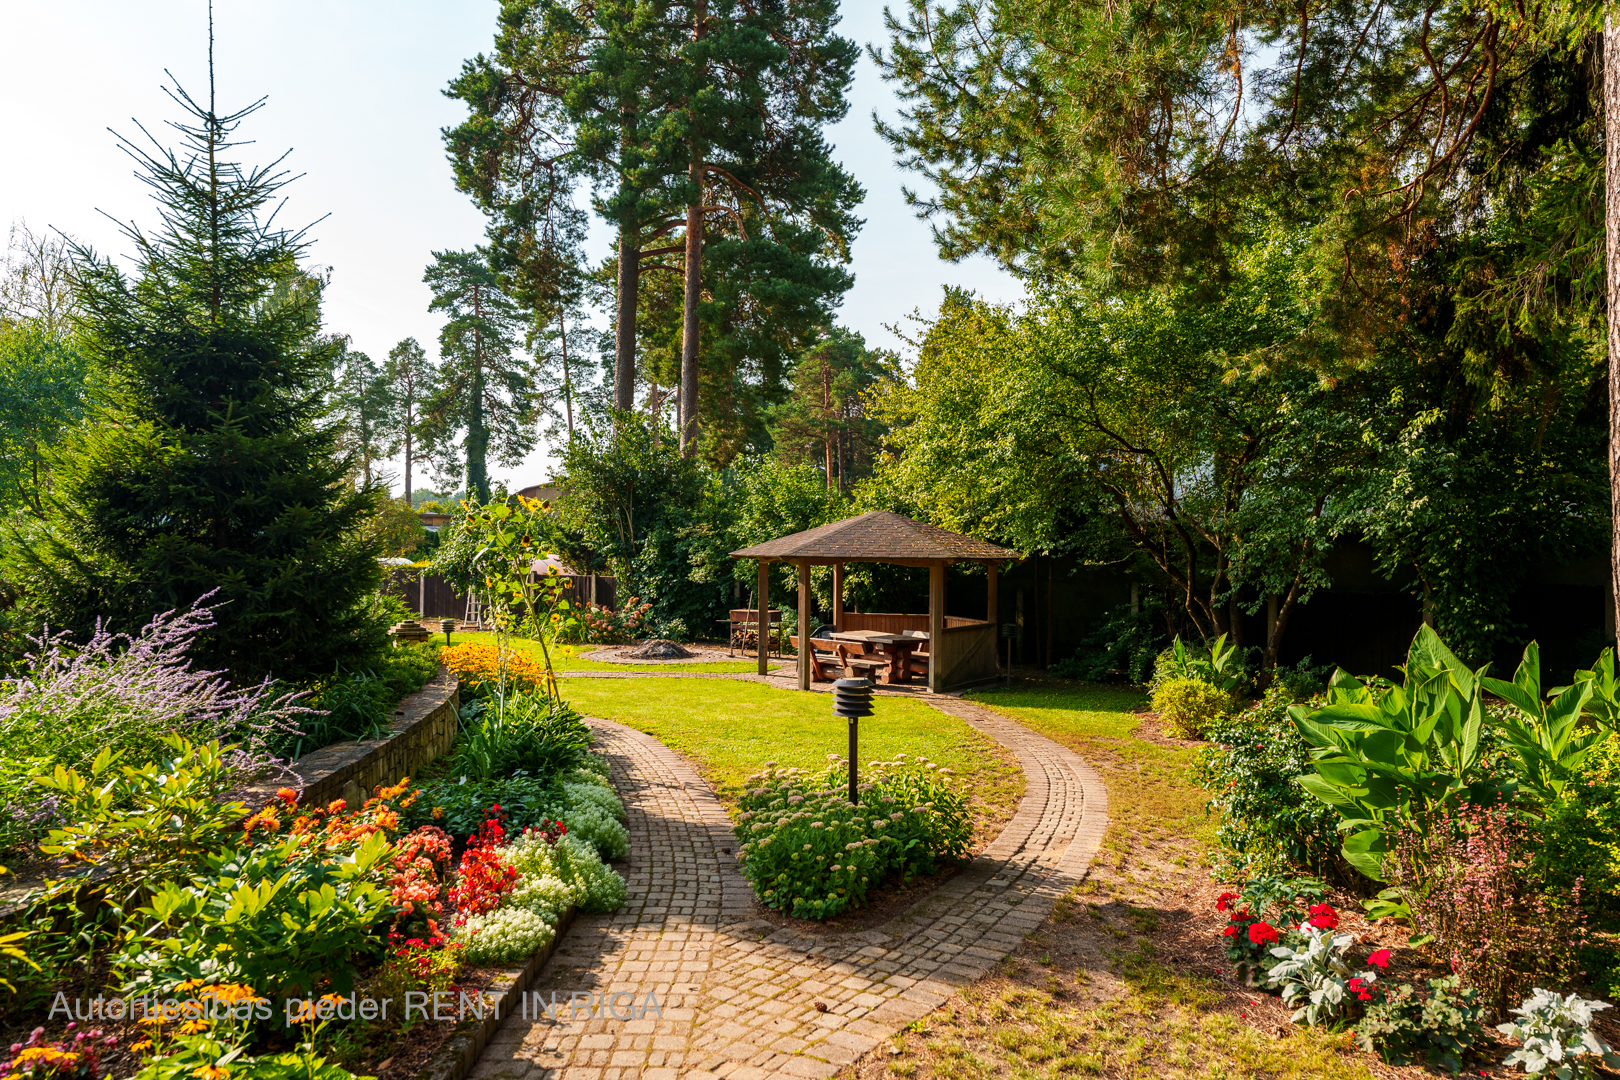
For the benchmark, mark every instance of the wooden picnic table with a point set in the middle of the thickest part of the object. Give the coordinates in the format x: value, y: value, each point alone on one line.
x: 895, y: 648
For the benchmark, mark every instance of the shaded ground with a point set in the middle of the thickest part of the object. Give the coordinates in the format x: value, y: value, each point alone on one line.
x: 1126, y: 978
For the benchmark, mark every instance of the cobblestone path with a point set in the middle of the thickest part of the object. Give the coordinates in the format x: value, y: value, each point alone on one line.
x: 743, y: 999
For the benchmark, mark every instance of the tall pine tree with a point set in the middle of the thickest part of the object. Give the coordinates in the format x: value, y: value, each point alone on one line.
x: 485, y: 392
x: 362, y: 403
x: 411, y: 379
x: 209, y: 467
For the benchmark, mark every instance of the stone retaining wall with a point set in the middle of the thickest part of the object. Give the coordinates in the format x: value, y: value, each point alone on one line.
x: 424, y: 728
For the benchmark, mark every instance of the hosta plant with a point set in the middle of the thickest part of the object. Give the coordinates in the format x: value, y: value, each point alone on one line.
x: 1557, y: 1037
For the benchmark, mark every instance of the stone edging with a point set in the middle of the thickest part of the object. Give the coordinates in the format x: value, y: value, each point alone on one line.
x: 463, y: 1046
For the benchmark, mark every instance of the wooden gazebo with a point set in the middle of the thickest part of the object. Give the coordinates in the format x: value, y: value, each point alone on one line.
x: 961, y: 650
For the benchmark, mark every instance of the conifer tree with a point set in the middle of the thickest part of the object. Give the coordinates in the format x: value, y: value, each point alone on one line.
x: 485, y: 393
x: 410, y: 378
x: 362, y: 403
x: 826, y: 421
x: 209, y: 466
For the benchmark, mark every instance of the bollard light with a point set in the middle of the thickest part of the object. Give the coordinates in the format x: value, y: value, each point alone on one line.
x: 447, y: 625
x: 852, y: 698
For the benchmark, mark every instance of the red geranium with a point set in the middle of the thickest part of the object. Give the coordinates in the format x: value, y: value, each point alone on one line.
x: 1379, y: 959
x: 1230, y: 931
x: 1224, y: 900
x: 1262, y: 934
x: 1361, y: 988
x: 1323, y: 917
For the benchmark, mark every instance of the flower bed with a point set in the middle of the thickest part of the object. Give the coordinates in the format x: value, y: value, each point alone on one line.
x: 809, y: 852
x: 191, y: 893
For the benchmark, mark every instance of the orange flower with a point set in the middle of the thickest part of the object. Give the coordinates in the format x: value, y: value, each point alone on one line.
x: 287, y: 795
x: 210, y: 1072
x: 336, y: 806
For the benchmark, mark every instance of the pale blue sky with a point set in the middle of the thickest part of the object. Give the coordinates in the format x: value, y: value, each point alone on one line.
x: 354, y: 91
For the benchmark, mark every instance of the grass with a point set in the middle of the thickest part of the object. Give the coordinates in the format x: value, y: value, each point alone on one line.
x: 1117, y: 982
x: 567, y: 657
x: 731, y: 729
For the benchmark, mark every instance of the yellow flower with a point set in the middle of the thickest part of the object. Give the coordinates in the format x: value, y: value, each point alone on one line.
x: 438, y: 813
x: 190, y: 984
x: 192, y: 1027
x: 144, y: 1044
x: 210, y: 1072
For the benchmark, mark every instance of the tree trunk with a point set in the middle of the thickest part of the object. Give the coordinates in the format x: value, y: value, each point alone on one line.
x: 826, y: 413
x: 1611, y: 215
x: 408, y: 456
x: 568, y: 381
x: 690, y: 333
x: 624, y: 332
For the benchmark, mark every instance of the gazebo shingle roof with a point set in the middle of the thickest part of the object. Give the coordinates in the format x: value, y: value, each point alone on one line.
x: 879, y: 536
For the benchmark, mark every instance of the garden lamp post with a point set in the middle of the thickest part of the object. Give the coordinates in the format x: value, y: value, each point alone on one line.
x: 852, y: 698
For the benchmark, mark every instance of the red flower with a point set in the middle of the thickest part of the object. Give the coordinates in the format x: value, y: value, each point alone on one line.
x: 1323, y: 917
x: 1379, y: 959
x: 1223, y: 902
x: 1230, y: 931
x: 1262, y: 934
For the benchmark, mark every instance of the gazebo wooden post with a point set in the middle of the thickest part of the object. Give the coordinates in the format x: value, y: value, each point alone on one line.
x: 804, y: 625
x: 762, y: 613
x: 992, y: 609
x: 936, y: 624
x: 838, y: 595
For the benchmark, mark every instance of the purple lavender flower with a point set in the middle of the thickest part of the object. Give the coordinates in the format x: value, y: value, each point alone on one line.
x: 127, y: 693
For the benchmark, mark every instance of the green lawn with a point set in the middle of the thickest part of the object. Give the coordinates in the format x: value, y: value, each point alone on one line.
x: 731, y: 729
x: 566, y: 657
x: 1147, y: 786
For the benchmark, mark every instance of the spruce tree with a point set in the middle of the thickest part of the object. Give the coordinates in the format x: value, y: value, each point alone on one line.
x: 210, y: 466
x: 485, y: 392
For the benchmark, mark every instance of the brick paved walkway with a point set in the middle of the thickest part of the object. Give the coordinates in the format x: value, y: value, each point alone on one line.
x: 739, y: 995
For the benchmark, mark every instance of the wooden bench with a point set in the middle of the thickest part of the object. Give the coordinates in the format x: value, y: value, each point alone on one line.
x: 822, y: 656
x: 859, y: 666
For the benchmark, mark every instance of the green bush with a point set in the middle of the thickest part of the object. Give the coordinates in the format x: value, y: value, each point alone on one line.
x: 358, y: 704
x: 1123, y: 649
x: 534, y: 732
x: 1405, y: 1029
x: 1189, y: 706
x: 1251, y: 769
x: 1220, y: 665
x: 257, y: 916
x: 807, y: 851
x: 1580, y: 834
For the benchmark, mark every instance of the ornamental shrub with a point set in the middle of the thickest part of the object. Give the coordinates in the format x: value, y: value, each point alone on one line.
x: 1406, y: 1029
x: 807, y: 851
x: 1269, y: 824
x: 1316, y: 977
x: 605, y: 626
x: 1463, y: 873
x: 1579, y: 838
x: 1189, y: 706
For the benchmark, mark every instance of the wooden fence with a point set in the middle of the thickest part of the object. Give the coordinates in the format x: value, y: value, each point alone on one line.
x: 432, y: 597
